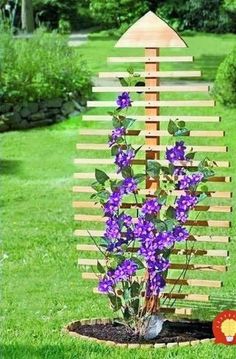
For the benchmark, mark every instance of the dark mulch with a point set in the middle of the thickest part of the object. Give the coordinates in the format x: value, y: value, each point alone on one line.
x: 173, y: 331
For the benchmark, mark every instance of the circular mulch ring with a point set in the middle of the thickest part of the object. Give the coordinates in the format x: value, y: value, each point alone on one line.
x: 174, y: 333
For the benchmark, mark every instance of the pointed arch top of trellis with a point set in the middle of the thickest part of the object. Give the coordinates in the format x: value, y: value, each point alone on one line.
x: 152, y: 32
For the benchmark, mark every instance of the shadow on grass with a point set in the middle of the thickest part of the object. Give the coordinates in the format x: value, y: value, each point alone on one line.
x: 9, y: 167
x: 209, y: 64
x: 34, y: 352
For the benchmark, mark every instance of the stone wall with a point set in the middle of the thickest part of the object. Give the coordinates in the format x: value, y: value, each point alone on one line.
x: 35, y: 114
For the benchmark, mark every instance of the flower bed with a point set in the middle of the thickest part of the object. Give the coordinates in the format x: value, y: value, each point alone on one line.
x: 107, y: 331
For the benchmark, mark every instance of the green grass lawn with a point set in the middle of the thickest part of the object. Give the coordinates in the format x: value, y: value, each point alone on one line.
x: 42, y: 287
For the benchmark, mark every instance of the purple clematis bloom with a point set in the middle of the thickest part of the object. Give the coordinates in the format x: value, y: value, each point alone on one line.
x: 124, y: 100
x: 180, y: 233
x: 151, y: 206
x: 124, y: 158
x: 176, y: 153
x: 125, y: 270
x: 129, y: 185
x: 154, y: 284
x: 105, y: 285
x: 113, y: 203
x: 116, y: 134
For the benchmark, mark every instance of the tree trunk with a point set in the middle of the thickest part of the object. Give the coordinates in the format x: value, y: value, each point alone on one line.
x: 27, y: 16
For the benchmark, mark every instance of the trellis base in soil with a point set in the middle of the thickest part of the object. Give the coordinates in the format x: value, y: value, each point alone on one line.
x: 174, y: 333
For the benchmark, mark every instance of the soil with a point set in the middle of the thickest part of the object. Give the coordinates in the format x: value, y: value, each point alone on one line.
x: 173, y: 331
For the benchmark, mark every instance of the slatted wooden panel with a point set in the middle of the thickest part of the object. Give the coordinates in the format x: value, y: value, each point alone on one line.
x: 151, y: 34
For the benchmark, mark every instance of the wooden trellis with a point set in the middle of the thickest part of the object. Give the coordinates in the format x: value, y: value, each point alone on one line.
x: 151, y: 34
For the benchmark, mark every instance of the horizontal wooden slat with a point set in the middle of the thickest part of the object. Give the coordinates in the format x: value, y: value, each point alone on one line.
x: 91, y: 175
x: 110, y: 161
x: 150, y: 74
x: 175, y: 251
x: 177, y: 296
x: 107, y: 118
x: 150, y: 59
x: 174, y: 266
x: 143, y: 133
x: 195, y: 223
x: 173, y: 281
x: 89, y: 204
x: 105, y: 147
x: 163, y: 88
x: 179, y: 103
x: 211, y: 194
x: 195, y: 238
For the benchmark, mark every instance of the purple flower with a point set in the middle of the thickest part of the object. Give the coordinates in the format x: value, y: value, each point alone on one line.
x: 186, y: 202
x: 176, y: 153
x: 151, y: 206
x: 185, y: 182
x: 113, y: 203
x: 197, y: 178
x: 164, y: 239
x: 129, y: 185
x: 123, y: 100
x: 189, y: 181
x: 179, y: 171
x: 148, y: 251
x: 125, y: 220
x: 116, y: 134
x: 143, y: 227
x: 112, y: 229
x: 154, y: 284
x: 183, y: 204
x: 105, y: 285
x: 181, y: 215
x: 160, y: 264
x: 124, y: 158
x: 125, y: 270
x: 180, y: 233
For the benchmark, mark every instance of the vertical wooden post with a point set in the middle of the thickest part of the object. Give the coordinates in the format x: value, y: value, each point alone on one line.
x: 152, y: 304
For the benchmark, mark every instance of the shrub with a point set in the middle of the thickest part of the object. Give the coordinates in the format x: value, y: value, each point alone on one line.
x: 113, y: 13
x: 225, y: 83
x: 41, y: 67
x: 216, y: 15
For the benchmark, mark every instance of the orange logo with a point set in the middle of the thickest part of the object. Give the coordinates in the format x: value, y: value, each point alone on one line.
x: 224, y: 327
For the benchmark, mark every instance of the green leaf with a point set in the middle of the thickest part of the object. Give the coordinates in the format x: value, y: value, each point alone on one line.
x: 135, y: 305
x: 127, y: 172
x: 135, y: 289
x: 123, y: 82
x: 140, y: 177
x: 101, y: 176
x: 130, y: 70
x: 153, y: 168
x: 128, y: 122
x: 204, y: 188
x: 190, y: 155
x: 170, y: 223
x: 115, y: 122
x: 100, y: 268
x: 182, y: 132
x: 172, y: 127
x: 138, y: 262
x: 114, y: 150
x: 139, y: 148
x: 170, y: 212
x: 160, y: 225
x: 115, y: 301
x: 102, y: 196
x: 127, y: 295
x: 202, y: 196
x: 181, y: 124
x: 97, y: 186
